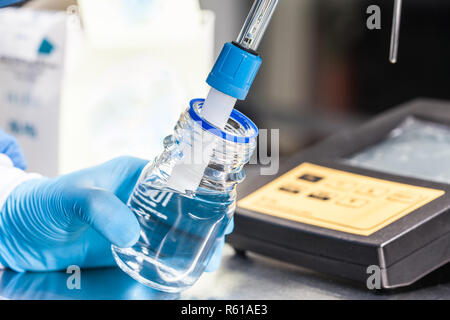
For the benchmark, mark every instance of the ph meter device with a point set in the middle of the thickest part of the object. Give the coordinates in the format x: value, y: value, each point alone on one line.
x: 376, y: 196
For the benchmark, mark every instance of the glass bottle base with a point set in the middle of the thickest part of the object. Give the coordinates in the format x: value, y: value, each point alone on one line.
x: 133, y: 258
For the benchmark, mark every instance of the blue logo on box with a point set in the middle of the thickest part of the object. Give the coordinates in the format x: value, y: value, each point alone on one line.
x: 46, y: 47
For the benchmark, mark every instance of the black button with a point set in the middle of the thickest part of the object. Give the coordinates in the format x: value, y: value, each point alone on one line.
x: 289, y: 189
x: 310, y: 178
x: 323, y: 196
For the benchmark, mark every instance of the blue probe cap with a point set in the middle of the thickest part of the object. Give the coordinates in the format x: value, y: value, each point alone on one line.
x: 234, y: 71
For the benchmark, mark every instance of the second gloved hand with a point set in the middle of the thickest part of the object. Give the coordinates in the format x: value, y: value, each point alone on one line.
x: 10, y: 148
x: 50, y: 224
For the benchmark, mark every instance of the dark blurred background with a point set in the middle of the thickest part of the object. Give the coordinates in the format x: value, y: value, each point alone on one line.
x: 324, y: 70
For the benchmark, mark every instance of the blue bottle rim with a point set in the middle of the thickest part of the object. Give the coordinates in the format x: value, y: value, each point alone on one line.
x: 237, y: 116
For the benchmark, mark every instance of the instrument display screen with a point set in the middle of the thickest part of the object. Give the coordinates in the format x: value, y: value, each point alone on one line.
x: 416, y: 148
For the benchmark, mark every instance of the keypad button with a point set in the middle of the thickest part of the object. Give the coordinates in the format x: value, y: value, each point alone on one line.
x: 341, y: 185
x: 352, y: 202
x: 404, y: 196
x: 321, y: 195
x: 290, y: 189
x: 310, y: 178
x: 369, y: 191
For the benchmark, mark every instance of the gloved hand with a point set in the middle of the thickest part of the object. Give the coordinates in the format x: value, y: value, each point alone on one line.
x: 49, y: 224
x: 10, y: 147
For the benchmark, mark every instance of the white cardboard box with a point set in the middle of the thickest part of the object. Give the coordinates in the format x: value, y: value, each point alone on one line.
x: 125, y: 83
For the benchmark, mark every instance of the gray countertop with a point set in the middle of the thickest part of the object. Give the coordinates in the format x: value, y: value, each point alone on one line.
x: 251, y: 277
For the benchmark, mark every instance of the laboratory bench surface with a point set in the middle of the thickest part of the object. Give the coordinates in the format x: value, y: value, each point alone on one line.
x: 249, y: 277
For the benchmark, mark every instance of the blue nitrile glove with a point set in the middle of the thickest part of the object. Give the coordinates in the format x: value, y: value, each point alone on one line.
x: 5, y: 3
x: 216, y: 259
x: 49, y: 224
x: 10, y: 147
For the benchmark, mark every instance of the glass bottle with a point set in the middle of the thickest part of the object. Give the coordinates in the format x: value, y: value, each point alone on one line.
x: 180, y: 230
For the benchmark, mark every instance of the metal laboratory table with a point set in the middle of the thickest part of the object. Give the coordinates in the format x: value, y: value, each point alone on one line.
x: 251, y: 277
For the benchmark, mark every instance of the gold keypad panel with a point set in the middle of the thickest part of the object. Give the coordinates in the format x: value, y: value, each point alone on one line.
x: 338, y: 200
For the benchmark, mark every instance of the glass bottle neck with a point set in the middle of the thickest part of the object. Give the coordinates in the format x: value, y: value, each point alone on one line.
x: 223, y: 152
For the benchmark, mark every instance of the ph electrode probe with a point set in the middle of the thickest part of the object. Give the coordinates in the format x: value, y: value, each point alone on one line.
x: 230, y: 79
